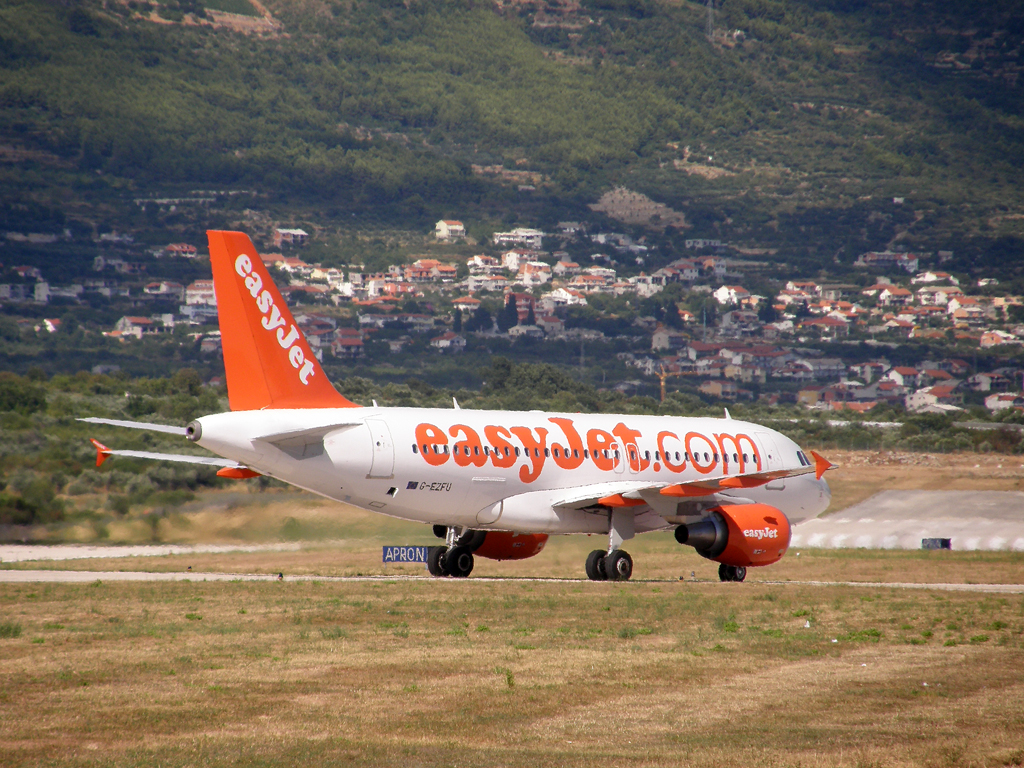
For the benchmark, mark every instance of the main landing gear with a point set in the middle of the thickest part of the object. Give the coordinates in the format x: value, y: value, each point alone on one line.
x: 456, y: 557
x: 609, y: 566
x: 731, y: 572
x: 615, y: 564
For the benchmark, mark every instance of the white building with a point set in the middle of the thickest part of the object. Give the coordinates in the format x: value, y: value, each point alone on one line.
x: 449, y: 341
x: 483, y: 265
x: 449, y: 230
x: 533, y: 273
x: 486, y: 283
x: 527, y: 238
x: 290, y: 237
x: 730, y: 294
x: 201, y: 292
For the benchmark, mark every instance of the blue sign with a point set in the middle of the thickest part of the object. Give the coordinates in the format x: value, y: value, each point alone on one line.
x: 405, y: 554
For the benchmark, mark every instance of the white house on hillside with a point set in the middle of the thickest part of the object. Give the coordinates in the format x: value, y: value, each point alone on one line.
x: 730, y: 294
x: 449, y: 230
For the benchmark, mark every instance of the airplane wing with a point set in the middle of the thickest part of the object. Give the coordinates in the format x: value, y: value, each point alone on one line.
x: 636, y: 493
x: 136, y: 425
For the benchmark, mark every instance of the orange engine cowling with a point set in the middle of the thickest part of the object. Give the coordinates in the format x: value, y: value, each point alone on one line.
x: 739, y: 534
x: 504, y: 545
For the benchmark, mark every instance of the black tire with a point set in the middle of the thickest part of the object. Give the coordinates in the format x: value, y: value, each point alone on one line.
x: 435, y: 561
x: 618, y: 565
x: 472, y: 540
x: 441, y: 531
x: 739, y: 573
x: 595, y: 566
x: 725, y: 572
x: 459, y: 562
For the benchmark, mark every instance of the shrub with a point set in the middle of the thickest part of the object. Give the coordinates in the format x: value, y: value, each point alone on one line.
x: 10, y: 629
x: 20, y: 395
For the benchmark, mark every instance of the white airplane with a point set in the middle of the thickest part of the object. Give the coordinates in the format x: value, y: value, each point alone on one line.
x: 493, y: 484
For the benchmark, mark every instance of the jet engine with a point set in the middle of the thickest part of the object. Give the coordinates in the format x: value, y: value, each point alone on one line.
x: 739, y: 535
x: 504, y: 545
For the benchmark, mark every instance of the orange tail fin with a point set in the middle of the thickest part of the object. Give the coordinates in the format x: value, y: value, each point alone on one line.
x: 267, y: 360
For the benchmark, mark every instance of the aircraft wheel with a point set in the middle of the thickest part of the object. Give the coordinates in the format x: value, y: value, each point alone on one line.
x: 726, y: 573
x: 459, y: 562
x: 435, y: 561
x: 740, y: 573
x: 595, y: 566
x: 618, y: 565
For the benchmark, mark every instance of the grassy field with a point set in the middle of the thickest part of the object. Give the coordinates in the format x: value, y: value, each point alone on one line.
x: 510, y: 673
x: 674, y: 668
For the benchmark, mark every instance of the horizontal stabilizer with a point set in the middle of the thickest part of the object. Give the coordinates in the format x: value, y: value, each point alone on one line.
x: 135, y: 425
x: 103, y: 453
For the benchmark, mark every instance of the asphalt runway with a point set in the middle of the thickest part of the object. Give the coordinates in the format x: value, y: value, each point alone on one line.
x: 89, y: 577
x: 16, y: 553
x: 973, y: 520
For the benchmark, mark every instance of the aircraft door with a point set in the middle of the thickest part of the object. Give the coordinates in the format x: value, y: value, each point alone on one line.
x: 619, y: 457
x: 771, y: 459
x: 382, y: 449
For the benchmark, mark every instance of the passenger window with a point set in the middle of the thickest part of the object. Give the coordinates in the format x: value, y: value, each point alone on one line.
x: 414, y: 448
x: 677, y: 455
x: 556, y: 454
x: 575, y: 453
x: 517, y: 451
x: 476, y: 450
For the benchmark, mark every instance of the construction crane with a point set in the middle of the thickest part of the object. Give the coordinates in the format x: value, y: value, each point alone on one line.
x: 663, y: 374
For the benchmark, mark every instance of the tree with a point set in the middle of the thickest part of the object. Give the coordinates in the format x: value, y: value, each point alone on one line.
x: 457, y: 320
x: 509, y: 316
x: 480, y: 320
x: 766, y: 312
x: 20, y: 395
x: 531, y: 318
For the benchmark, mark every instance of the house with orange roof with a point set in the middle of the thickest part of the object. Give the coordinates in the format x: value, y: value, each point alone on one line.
x: 449, y: 229
x: 893, y: 295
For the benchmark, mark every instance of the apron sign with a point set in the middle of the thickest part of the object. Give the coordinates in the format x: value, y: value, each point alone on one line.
x: 405, y: 554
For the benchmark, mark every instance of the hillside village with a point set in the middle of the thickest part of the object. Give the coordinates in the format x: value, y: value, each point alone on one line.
x: 728, y: 342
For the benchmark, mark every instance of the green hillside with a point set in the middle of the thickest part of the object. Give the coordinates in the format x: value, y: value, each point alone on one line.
x: 815, y: 115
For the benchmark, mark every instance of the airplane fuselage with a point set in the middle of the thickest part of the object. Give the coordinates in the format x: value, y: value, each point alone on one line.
x: 512, y: 470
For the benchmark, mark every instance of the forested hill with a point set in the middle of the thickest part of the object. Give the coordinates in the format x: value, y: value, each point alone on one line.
x: 790, y: 114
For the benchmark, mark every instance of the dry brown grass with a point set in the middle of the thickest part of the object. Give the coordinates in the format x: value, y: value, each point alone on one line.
x: 509, y: 673
x: 861, y: 474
